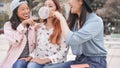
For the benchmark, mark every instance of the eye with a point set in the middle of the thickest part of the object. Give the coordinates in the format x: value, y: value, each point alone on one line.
x: 22, y: 9
x: 50, y: 6
x: 27, y: 8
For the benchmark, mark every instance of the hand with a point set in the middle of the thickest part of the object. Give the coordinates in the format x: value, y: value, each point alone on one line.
x: 58, y: 15
x: 37, y: 26
x: 41, y: 61
x: 29, y: 21
x: 26, y: 59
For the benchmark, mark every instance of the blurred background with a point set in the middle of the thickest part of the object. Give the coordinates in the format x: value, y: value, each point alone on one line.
x: 108, y: 10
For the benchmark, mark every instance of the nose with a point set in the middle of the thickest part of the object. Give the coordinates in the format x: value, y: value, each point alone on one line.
x: 27, y: 11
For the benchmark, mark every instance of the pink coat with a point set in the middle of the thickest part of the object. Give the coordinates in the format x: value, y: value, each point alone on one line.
x: 17, y: 42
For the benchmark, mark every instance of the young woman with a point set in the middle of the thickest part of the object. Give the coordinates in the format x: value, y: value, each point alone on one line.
x: 84, y: 33
x: 21, y: 38
x: 51, y: 47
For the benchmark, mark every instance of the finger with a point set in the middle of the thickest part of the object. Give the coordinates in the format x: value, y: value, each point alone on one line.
x: 30, y: 21
x: 33, y: 20
x: 32, y: 60
x: 22, y: 59
x: 26, y: 22
x: 33, y: 23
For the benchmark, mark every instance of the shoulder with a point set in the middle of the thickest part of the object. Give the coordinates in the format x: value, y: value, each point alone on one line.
x: 94, y: 18
x: 8, y: 23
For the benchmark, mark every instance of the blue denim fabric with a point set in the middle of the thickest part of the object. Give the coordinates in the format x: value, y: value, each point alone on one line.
x: 92, y: 61
x: 34, y: 65
x: 88, y: 40
x: 20, y: 64
x: 57, y: 65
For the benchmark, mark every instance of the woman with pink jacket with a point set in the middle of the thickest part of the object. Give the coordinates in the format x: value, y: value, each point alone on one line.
x: 21, y: 39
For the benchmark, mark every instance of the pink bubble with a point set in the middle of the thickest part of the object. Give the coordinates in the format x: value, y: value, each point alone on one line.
x: 44, y: 12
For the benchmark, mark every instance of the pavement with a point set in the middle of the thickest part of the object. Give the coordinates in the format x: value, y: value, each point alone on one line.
x: 112, y: 45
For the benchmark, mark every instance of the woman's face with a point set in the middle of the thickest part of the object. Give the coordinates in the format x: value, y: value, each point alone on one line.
x: 51, y: 5
x: 75, y: 6
x: 23, y: 11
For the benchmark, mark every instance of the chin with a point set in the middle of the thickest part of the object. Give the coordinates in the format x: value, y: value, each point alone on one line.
x: 73, y: 12
x: 26, y: 18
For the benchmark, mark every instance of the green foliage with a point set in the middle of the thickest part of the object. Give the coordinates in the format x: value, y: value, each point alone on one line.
x: 3, y: 17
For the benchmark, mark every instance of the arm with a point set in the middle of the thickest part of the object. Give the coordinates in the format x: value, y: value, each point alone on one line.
x: 14, y: 36
x: 63, y: 23
x: 87, y: 32
x: 41, y: 61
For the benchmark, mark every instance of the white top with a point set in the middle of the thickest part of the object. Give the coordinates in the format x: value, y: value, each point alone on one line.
x: 45, y: 49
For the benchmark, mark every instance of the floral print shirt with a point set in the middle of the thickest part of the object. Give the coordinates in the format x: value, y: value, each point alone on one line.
x: 45, y: 49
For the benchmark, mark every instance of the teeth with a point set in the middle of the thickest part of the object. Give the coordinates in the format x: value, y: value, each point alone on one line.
x: 25, y: 15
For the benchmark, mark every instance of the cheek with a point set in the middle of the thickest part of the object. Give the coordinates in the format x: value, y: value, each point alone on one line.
x: 28, y: 12
x: 19, y: 14
x: 52, y: 10
x: 75, y: 8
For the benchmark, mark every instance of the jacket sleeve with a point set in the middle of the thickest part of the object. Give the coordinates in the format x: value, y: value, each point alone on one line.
x: 14, y: 36
x: 61, y: 55
x: 87, y: 32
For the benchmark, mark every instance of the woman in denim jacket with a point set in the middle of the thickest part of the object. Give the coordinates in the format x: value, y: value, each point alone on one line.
x: 84, y: 33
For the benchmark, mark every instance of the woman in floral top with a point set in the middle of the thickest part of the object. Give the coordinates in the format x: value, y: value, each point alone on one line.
x: 51, y: 47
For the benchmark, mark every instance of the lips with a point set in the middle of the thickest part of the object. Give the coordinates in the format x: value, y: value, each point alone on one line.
x: 26, y: 16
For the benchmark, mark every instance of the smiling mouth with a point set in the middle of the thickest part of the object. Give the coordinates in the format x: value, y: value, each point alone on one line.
x: 26, y: 15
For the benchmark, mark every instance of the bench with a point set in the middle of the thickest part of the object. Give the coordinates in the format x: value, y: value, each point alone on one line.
x: 111, y: 41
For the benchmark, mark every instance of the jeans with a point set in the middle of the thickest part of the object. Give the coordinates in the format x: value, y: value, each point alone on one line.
x: 92, y: 61
x: 57, y: 65
x: 34, y: 65
x: 20, y: 64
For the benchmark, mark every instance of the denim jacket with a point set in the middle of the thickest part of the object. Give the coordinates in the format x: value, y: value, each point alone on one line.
x: 88, y: 40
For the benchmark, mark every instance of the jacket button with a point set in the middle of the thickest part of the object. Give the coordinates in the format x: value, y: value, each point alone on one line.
x: 16, y: 40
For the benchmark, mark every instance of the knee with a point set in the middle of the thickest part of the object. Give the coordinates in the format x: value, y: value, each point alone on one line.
x: 59, y: 65
x: 33, y: 65
x: 19, y: 64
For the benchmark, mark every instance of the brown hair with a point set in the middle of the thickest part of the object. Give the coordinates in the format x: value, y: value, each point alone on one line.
x: 56, y: 35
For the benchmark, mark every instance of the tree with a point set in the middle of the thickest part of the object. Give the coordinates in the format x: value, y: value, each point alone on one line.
x: 111, y: 13
x: 3, y: 17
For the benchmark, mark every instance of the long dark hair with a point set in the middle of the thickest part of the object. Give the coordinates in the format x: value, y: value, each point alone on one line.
x: 74, y: 17
x: 15, y: 21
